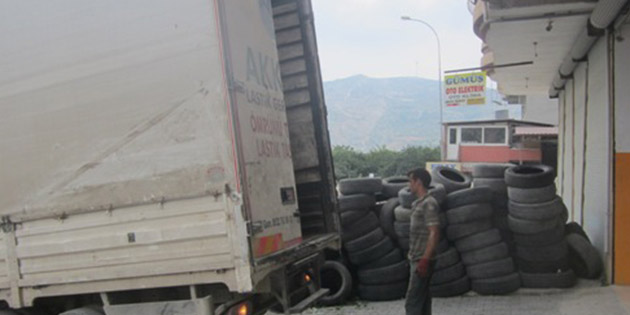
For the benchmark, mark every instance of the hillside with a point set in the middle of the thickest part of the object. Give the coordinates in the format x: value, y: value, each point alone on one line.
x: 366, y: 113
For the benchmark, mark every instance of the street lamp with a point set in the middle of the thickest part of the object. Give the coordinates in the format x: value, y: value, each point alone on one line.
x: 439, y: 55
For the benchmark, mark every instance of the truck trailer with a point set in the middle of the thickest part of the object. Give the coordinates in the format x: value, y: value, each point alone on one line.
x: 162, y: 157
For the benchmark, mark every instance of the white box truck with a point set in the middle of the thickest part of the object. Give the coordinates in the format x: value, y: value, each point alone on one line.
x: 162, y: 157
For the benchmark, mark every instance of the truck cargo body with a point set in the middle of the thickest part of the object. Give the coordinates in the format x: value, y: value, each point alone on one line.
x: 152, y: 144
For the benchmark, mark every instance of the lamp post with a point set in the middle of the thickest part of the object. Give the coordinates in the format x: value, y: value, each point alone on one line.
x: 439, y: 55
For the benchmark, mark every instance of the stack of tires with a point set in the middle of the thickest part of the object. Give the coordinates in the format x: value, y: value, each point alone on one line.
x: 484, y: 254
x: 382, y: 271
x: 449, y: 276
x: 537, y: 218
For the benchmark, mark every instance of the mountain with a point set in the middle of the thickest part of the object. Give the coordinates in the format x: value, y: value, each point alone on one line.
x: 367, y: 113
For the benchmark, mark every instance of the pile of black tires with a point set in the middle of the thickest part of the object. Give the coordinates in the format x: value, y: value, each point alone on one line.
x: 381, y: 269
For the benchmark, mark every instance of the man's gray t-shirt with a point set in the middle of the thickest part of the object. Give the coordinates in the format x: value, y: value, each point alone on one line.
x: 425, y: 214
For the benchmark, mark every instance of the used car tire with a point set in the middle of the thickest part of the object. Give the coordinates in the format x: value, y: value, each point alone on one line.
x: 386, y: 216
x: 446, y: 259
x: 455, y: 232
x: 545, y: 238
x: 450, y: 289
x: 365, y: 241
x: 490, y: 253
x: 383, y: 275
x: 561, y: 280
x: 448, y: 274
x: 356, y: 202
x: 468, y: 196
x: 356, y: 186
x: 402, y: 229
x: 402, y: 214
x: 532, y: 195
x: 529, y: 176
x: 469, y: 213
x: 543, y: 266
x: 584, y: 258
x: 452, y: 179
x: 360, y: 227
x: 491, y: 269
x: 350, y: 217
x: 497, y: 286
x: 406, y: 198
x: 575, y: 228
x: 392, y: 185
x: 438, y: 192
x: 371, y: 253
x: 442, y: 246
x: 543, y: 253
x: 496, y: 185
x: 335, y: 276
x: 522, y: 226
x: 394, y: 256
x: 478, y: 241
x: 490, y: 170
x: 537, y: 211
x: 383, y: 292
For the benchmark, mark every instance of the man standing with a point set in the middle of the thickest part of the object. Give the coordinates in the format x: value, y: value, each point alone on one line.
x: 424, y: 235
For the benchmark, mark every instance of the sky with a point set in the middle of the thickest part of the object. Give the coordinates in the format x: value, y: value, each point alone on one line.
x: 368, y: 37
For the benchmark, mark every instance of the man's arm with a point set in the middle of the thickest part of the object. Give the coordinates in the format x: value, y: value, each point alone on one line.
x: 432, y: 242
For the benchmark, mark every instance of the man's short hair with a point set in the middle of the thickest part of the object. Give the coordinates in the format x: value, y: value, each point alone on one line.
x: 421, y: 174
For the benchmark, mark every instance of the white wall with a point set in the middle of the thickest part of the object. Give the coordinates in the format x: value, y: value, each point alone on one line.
x: 622, y: 92
x: 540, y: 108
x: 566, y: 175
x: 578, y: 142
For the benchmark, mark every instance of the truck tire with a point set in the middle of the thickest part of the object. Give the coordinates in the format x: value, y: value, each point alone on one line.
x: 497, y: 286
x: 396, y: 272
x: 406, y: 198
x: 356, y: 186
x: 455, y: 232
x: 402, y: 229
x: 529, y: 176
x: 360, y: 227
x: 448, y: 274
x: 402, y: 214
x: 386, y: 216
x: 450, y: 289
x: 478, y: 241
x: 469, y: 213
x: 545, y: 238
x: 365, y: 241
x: 575, y: 228
x: 394, y: 256
x: 446, y: 259
x: 468, y: 196
x: 350, y: 217
x: 392, y: 185
x: 490, y: 170
x: 496, y: 185
x: 532, y: 195
x: 521, y: 226
x: 543, y: 266
x: 438, y: 192
x: 561, y: 280
x: 383, y: 292
x: 490, y: 253
x: 537, y: 211
x: 337, y: 278
x: 584, y: 258
x: 371, y: 253
x: 356, y: 202
x: 491, y: 269
x: 452, y: 179
x: 545, y: 253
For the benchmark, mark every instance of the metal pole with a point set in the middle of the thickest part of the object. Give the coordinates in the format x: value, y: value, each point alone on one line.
x: 439, y: 55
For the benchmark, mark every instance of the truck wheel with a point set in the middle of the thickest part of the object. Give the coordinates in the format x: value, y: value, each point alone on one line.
x: 491, y: 269
x: 490, y: 170
x: 469, y: 213
x: 364, y: 241
x: 396, y: 272
x: 356, y: 202
x: 529, y: 176
x: 478, y: 241
x: 450, y: 289
x: 446, y: 259
x: 452, y: 179
x: 497, y: 286
x: 356, y: 186
x: 336, y: 277
x: 392, y: 185
x: 383, y: 292
x: 406, y: 198
x: 583, y: 257
x: 490, y: 253
x: 394, y: 256
x: 537, y: 211
x: 532, y: 195
x: 371, y: 253
x: 468, y: 196
x: 448, y: 274
x: 387, y: 216
x: 561, y: 280
x: 455, y: 232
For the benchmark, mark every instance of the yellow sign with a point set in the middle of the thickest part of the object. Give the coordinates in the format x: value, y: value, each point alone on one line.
x: 465, y: 89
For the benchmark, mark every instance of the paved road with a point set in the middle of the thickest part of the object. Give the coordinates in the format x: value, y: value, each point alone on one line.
x: 588, y: 298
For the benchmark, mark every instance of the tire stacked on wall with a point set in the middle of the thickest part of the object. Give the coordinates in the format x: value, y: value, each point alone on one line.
x: 382, y: 271
x: 484, y: 254
x: 537, y: 218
